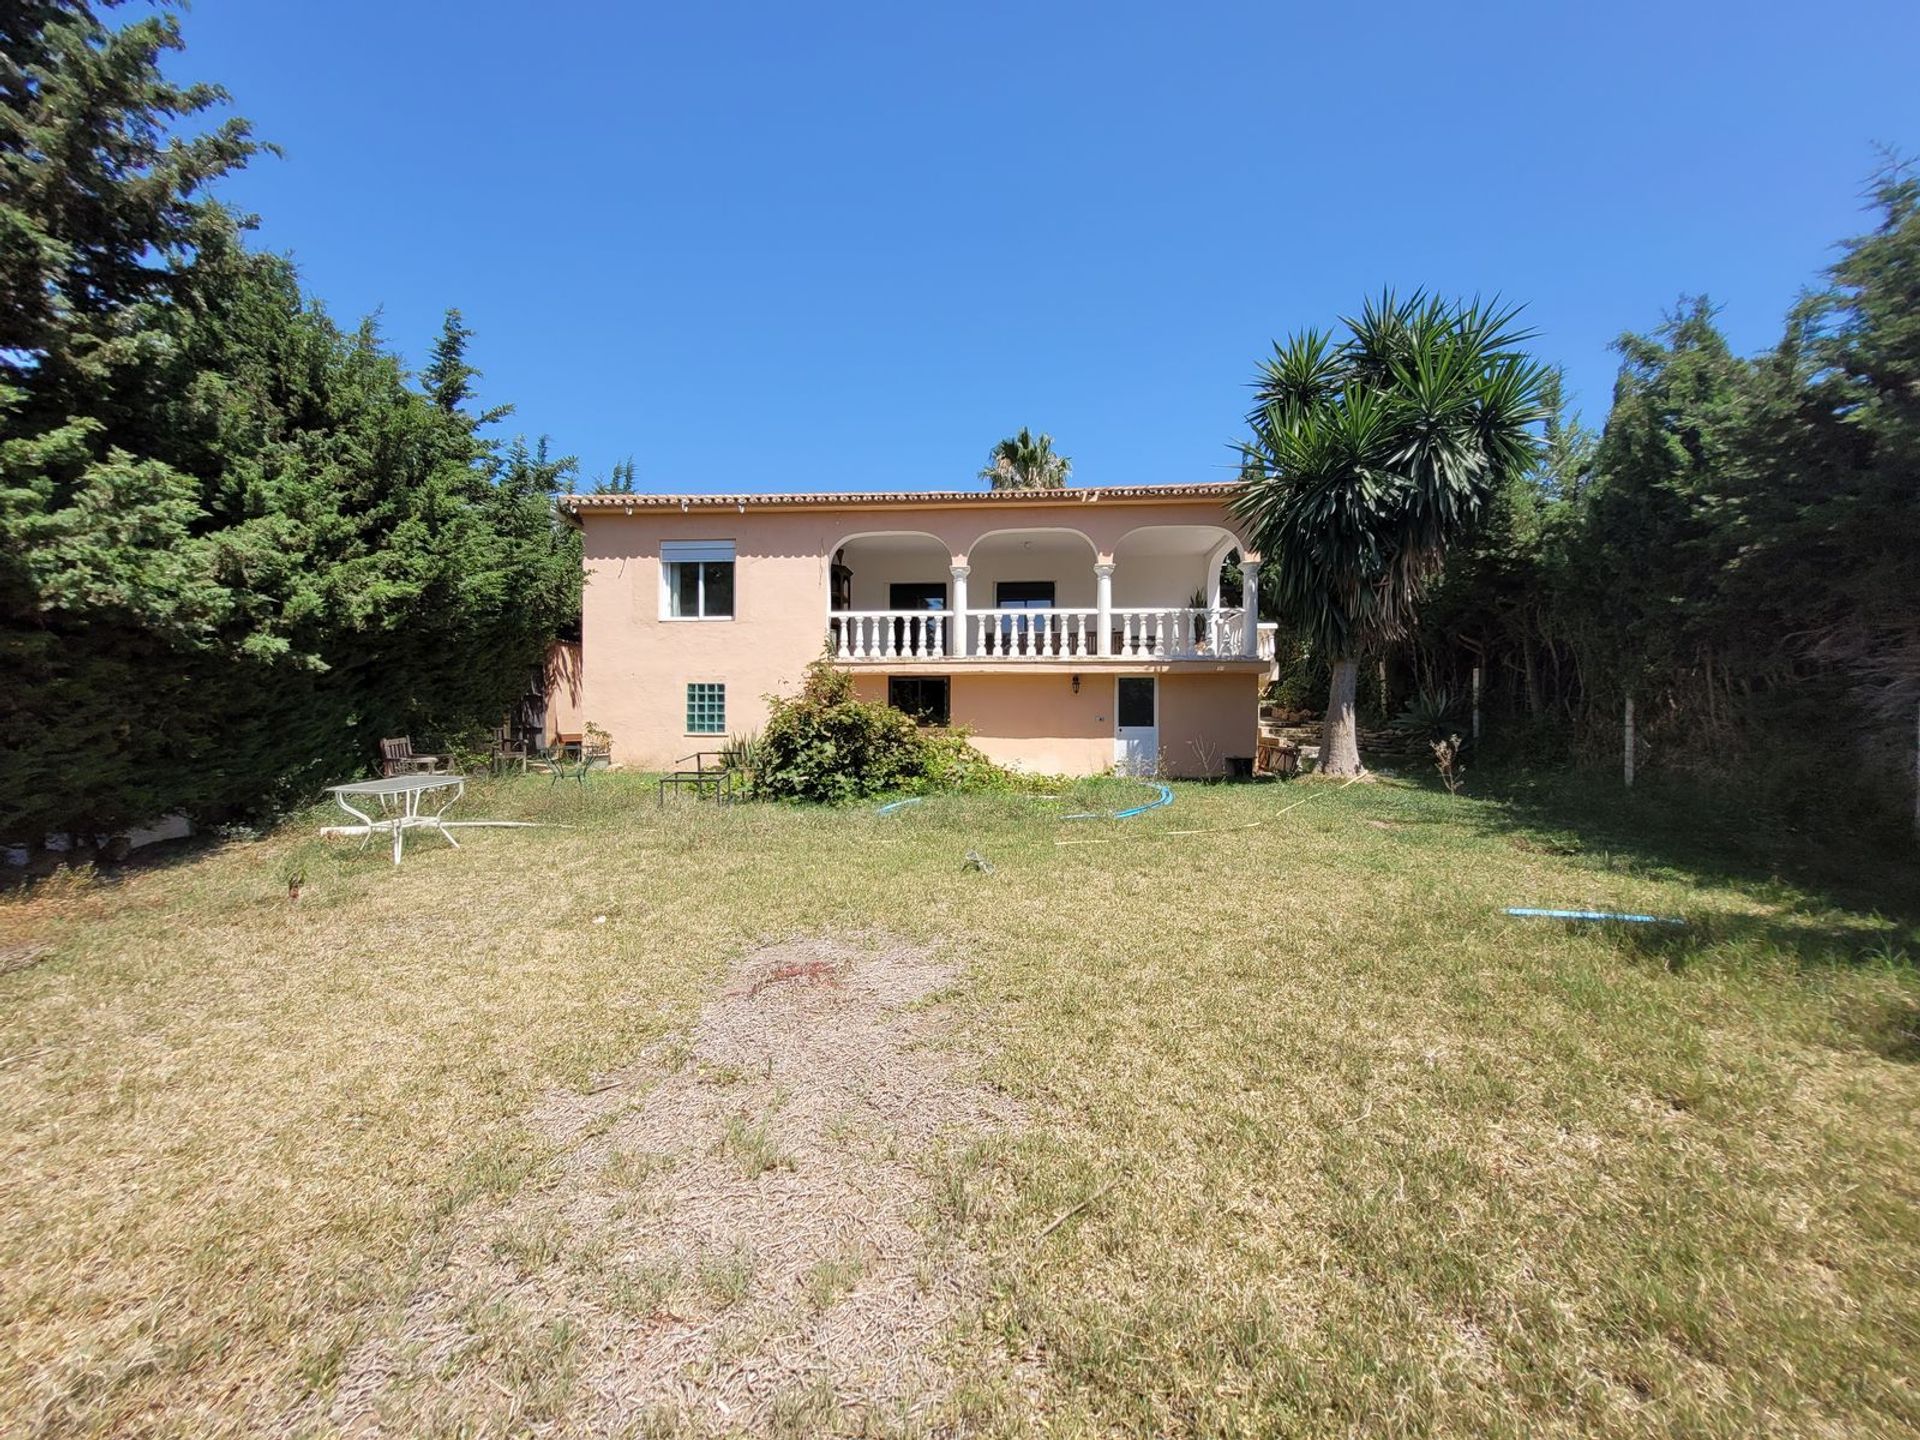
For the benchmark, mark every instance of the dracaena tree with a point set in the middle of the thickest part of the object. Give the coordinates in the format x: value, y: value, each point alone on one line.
x: 1026, y: 462
x: 1369, y: 455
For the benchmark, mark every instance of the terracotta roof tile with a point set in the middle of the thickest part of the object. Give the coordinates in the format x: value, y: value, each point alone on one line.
x: 1072, y: 494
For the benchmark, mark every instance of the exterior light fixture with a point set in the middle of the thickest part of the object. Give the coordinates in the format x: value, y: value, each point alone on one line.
x: 1076, y: 684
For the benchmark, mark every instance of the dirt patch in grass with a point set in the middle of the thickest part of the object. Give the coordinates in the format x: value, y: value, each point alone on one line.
x: 748, y: 1231
x: 20, y: 957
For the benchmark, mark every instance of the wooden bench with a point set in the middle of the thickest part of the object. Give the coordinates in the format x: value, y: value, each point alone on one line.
x: 397, y: 758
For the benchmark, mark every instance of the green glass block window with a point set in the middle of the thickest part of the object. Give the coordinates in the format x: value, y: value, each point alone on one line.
x: 706, y: 708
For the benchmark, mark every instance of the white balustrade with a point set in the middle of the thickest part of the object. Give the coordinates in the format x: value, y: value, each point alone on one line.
x: 888, y: 634
x: 1173, y: 632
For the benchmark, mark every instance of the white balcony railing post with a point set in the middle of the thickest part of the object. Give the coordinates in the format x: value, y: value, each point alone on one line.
x: 1103, y: 588
x: 957, y: 636
x: 1250, y: 608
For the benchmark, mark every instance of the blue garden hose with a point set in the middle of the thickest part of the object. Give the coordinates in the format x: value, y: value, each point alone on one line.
x: 1593, y: 915
x: 1164, y: 798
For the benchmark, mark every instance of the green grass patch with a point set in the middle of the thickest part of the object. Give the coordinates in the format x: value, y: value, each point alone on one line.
x: 1321, y: 1142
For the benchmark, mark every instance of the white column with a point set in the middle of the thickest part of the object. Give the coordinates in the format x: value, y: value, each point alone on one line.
x: 957, y: 635
x: 1103, y: 587
x: 1250, y: 605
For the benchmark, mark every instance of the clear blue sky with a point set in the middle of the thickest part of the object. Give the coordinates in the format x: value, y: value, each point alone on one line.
x: 777, y: 246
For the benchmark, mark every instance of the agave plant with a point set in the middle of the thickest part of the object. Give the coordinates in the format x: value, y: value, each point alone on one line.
x: 1431, y: 715
x: 742, y: 751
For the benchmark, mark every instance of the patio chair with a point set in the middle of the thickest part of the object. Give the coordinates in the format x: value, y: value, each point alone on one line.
x: 706, y: 773
x: 562, y: 762
x: 508, y: 753
x: 397, y: 757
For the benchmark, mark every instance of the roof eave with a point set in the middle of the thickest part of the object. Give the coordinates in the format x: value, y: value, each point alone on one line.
x: 900, y: 499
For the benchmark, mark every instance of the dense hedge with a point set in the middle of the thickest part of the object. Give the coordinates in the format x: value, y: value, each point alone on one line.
x: 238, y: 545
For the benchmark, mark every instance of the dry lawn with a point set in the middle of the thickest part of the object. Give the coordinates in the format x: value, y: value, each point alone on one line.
x: 769, y: 1121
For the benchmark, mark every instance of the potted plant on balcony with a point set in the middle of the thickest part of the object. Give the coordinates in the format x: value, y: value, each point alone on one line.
x: 1203, y: 619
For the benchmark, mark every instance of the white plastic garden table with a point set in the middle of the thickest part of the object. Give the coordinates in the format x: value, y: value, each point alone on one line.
x: 399, y: 801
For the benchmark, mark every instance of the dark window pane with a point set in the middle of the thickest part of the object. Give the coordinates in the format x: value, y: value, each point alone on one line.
x: 1023, y: 595
x: 914, y: 595
x: 683, y: 589
x: 719, y: 575
x: 1135, y: 702
x: 926, y: 698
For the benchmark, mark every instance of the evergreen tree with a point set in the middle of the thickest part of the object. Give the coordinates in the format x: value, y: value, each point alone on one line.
x: 1852, y: 513
x: 236, y: 546
x: 619, y: 482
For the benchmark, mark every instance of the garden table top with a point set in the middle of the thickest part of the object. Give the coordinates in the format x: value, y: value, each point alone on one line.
x: 397, y: 784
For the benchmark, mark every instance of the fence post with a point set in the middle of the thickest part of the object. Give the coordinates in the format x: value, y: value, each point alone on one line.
x: 1628, y: 754
x: 1476, y: 707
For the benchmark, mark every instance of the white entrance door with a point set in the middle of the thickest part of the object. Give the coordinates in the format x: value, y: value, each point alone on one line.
x: 1136, y: 725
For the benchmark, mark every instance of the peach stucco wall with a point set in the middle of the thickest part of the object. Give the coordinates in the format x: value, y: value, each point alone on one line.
x: 637, y: 665
x: 566, y: 695
x: 1204, y: 719
x: 1036, y: 722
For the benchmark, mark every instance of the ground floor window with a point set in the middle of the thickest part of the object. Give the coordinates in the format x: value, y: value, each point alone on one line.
x: 927, y: 698
x: 706, y: 708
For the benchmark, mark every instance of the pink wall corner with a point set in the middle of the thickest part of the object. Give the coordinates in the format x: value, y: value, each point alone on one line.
x: 566, y: 694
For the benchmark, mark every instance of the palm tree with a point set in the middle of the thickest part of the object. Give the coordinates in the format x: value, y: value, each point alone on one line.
x: 1369, y: 456
x: 1023, y: 462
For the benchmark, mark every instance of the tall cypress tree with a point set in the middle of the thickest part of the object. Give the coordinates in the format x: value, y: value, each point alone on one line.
x: 237, y: 546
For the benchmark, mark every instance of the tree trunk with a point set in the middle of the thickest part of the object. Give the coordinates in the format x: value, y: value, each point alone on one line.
x: 1340, y: 740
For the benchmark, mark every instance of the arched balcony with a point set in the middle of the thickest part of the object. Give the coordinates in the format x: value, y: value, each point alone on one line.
x: 1043, y: 594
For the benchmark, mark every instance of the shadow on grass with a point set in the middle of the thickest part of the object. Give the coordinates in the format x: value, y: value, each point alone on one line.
x: 1693, y: 833
x: 106, y: 868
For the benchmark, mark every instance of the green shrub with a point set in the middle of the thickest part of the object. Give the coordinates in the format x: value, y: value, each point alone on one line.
x: 826, y: 746
x: 950, y: 763
x: 1302, y: 675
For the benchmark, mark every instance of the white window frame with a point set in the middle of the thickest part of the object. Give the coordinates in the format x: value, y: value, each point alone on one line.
x: 696, y: 552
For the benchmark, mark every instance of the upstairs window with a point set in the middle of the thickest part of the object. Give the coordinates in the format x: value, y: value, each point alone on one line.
x: 696, y: 579
x: 1023, y: 595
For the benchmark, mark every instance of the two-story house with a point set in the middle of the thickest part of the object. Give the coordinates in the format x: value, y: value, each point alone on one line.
x: 1071, y: 631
